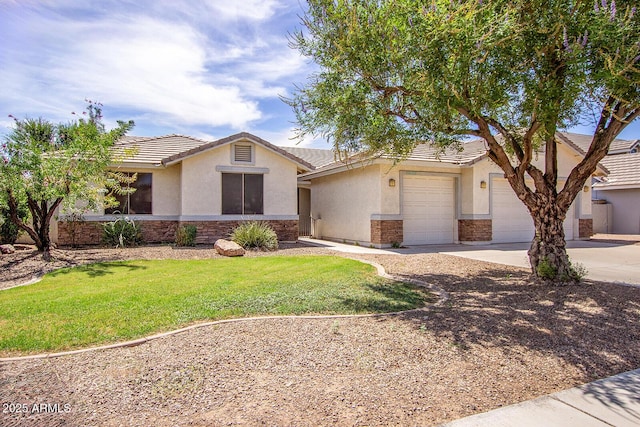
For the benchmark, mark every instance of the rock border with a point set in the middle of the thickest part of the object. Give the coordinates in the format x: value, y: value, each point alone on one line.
x: 443, y: 297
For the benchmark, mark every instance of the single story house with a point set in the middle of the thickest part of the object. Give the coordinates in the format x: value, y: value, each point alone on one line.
x: 432, y: 198
x: 429, y: 198
x: 616, y: 197
x: 212, y: 185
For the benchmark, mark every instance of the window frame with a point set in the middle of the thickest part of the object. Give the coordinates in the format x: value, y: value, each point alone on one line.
x: 127, y: 197
x: 227, y: 203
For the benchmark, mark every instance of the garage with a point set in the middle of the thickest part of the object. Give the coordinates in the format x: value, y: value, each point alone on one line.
x: 428, y: 209
x: 511, y: 221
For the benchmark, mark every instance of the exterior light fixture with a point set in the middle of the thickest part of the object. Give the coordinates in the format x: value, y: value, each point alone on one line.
x: 483, y: 184
x: 585, y: 189
x: 392, y: 182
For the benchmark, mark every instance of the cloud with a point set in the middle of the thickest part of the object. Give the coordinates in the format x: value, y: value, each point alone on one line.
x: 150, y: 64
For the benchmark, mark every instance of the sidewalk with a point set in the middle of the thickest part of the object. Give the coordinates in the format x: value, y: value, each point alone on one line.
x: 613, y: 401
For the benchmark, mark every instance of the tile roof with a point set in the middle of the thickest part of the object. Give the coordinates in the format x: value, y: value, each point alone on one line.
x: 584, y: 141
x: 624, y: 171
x: 470, y: 152
x: 154, y: 149
x: 318, y: 157
x: 174, y: 148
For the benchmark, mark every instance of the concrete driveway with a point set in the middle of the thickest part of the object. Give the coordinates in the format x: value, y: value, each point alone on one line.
x: 604, y: 260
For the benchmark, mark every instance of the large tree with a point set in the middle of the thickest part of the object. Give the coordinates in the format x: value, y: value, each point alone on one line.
x: 395, y: 73
x: 45, y: 165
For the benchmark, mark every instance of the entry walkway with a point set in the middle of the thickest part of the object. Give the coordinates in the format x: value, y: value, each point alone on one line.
x: 613, y: 401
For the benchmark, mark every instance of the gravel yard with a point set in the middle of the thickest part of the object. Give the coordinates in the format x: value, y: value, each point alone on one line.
x: 499, y: 340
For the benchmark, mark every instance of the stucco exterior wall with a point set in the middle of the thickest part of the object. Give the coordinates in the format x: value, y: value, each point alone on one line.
x: 202, y: 183
x: 344, y: 203
x: 625, y: 210
x: 165, y: 187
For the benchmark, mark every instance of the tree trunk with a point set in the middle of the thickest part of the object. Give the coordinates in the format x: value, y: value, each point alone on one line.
x: 548, y: 252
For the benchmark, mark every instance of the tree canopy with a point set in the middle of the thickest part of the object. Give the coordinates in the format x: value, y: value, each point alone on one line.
x: 395, y: 73
x: 45, y: 165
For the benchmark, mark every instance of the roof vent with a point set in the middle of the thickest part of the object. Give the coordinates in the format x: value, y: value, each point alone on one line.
x: 242, y: 153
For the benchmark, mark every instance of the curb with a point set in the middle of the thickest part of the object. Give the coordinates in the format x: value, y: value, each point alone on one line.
x: 443, y: 297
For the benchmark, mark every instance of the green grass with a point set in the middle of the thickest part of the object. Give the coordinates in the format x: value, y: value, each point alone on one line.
x: 108, y: 302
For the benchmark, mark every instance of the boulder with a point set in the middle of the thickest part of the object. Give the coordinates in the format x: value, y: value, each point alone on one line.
x: 228, y: 248
x: 7, y: 249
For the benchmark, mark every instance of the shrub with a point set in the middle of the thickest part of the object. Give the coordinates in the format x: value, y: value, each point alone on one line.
x: 255, y: 235
x: 186, y: 235
x: 546, y: 270
x: 9, y: 232
x: 121, y: 233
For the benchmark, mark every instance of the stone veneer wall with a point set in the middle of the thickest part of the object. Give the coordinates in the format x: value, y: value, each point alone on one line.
x: 210, y: 231
x: 90, y: 232
x: 475, y: 230
x: 585, y: 228
x: 86, y: 233
x: 386, y: 232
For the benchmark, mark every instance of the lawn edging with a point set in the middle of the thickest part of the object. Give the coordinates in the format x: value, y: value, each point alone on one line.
x: 443, y: 296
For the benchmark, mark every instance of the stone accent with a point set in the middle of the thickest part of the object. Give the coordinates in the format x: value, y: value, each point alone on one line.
x: 90, y: 232
x: 79, y: 233
x: 228, y: 248
x: 475, y: 230
x: 7, y: 249
x: 585, y: 228
x: 386, y: 232
x: 210, y: 231
x: 158, y: 231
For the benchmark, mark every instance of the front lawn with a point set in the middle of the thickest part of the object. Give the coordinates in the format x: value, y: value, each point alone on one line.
x: 117, y: 301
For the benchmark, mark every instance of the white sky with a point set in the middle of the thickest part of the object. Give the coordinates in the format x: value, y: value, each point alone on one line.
x: 207, y: 69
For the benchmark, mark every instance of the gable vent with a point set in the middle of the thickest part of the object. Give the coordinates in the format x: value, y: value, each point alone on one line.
x: 242, y: 153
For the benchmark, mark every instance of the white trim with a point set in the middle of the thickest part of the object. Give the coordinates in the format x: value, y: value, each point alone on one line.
x: 386, y: 217
x: 239, y: 217
x: 605, y: 187
x: 241, y: 169
x: 189, y: 217
x: 134, y: 217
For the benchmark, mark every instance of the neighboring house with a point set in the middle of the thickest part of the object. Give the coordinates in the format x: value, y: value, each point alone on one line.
x: 616, y: 197
x: 431, y: 198
x: 212, y: 185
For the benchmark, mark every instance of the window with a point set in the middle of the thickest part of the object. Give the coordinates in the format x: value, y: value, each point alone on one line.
x: 242, y: 194
x: 138, y: 202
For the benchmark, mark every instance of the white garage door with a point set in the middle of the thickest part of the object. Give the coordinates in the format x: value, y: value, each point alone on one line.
x: 428, y: 209
x: 512, y: 221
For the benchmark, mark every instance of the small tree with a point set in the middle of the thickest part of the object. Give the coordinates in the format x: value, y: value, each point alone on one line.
x: 47, y: 164
x: 395, y: 73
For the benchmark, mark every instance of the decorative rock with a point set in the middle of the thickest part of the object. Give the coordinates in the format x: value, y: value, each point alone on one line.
x: 7, y: 249
x: 228, y: 248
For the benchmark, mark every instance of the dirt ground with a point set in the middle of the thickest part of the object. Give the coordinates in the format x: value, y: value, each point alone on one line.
x: 500, y: 339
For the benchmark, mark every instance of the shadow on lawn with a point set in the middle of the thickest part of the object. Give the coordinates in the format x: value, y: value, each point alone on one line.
x: 99, y: 269
x: 593, y: 326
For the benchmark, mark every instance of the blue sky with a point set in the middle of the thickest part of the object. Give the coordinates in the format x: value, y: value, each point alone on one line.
x: 207, y: 69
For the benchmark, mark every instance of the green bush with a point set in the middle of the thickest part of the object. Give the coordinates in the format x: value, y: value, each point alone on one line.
x: 9, y: 232
x: 255, y: 235
x: 546, y: 270
x: 121, y: 233
x: 186, y: 235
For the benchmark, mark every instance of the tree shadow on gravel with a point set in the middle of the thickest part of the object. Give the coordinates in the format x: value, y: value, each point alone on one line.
x: 593, y: 326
